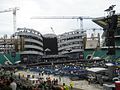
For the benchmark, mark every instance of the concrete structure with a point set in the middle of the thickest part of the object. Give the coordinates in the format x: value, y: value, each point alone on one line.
x: 71, y: 43
x: 7, y: 50
x: 102, y: 51
x: 50, y: 45
x: 6, y: 45
x: 33, y: 44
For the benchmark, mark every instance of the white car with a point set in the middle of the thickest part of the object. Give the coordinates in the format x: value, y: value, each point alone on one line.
x: 116, y: 78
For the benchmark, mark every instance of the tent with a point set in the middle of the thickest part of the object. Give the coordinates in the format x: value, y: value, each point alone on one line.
x: 96, y: 69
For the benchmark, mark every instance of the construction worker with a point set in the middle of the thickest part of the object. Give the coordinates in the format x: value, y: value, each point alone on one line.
x: 71, y: 85
x: 65, y: 87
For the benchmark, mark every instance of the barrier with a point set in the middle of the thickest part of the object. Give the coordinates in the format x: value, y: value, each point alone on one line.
x: 117, y: 85
x: 108, y: 87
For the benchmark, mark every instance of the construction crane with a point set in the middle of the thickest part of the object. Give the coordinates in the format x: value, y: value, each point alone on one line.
x: 14, y: 15
x: 94, y: 29
x: 81, y: 18
x: 52, y: 30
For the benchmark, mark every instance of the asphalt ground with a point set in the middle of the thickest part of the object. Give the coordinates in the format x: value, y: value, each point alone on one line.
x: 78, y: 85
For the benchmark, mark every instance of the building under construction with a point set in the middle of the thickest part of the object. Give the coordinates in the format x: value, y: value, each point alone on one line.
x: 110, y: 49
x: 8, y: 54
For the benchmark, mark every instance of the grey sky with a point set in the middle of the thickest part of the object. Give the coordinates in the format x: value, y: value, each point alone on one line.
x: 29, y: 8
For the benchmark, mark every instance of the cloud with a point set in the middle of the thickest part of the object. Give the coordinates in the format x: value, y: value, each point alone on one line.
x: 29, y: 8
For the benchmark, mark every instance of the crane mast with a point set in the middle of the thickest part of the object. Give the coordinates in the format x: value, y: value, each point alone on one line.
x: 52, y: 30
x: 14, y: 15
x: 14, y: 18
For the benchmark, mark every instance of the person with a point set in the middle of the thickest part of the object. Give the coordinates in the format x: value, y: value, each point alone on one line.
x: 59, y: 79
x: 65, y: 87
x: 56, y: 82
x: 13, y: 84
x: 7, y: 86
x: 71, y: 85
x: 89, y: 81
x: 42, y: 73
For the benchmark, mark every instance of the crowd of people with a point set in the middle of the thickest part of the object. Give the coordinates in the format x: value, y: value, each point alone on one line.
x: 9, y: 81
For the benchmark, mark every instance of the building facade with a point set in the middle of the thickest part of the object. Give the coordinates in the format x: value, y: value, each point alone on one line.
x: 71, y: 43
x: 32, y: 44
x: 50, y: 45
x: 7, y: 50
x: 102, y: 52
x: 6, y: 44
